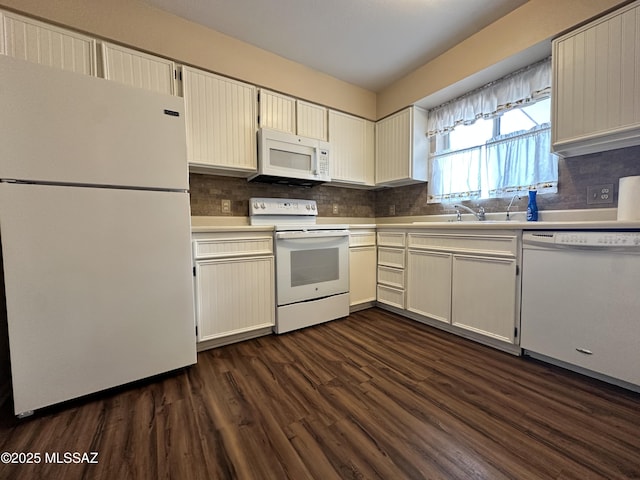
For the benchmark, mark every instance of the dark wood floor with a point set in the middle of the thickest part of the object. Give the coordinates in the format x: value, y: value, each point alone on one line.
x: 371, y: 396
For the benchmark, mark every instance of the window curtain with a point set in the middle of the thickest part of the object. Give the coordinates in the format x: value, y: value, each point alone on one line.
x: 511, y: 163
x: 514, y: 90
x: 519, y: 162
x: 448, y: 183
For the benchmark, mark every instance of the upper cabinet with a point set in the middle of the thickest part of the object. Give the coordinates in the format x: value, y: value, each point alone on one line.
x: 221, y: 123
x: 352, y: 149
x: 138, y: 69
x: 402, y: 148
x: 311, y: 120
x: 596, y: 85
x: 45, y: 44
x: 285, y: 113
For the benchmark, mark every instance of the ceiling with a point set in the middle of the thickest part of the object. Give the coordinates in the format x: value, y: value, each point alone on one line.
x: 369, y: 43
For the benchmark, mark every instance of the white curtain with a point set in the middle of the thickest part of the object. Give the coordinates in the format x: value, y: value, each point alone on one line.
x: 519, y: 162
x: 515, y: 162
x: 512, y: 91
x: 447, y: 184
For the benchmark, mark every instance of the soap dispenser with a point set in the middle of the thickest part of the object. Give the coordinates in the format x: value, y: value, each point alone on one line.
x: 532, y: 207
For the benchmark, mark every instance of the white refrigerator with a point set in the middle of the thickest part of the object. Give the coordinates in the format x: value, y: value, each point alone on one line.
x: 95, y: 233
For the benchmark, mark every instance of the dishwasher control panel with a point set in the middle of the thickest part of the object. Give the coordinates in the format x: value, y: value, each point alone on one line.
x: 602, y: 239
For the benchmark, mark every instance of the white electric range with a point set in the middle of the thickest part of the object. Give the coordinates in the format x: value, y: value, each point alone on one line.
x: 312, y: 262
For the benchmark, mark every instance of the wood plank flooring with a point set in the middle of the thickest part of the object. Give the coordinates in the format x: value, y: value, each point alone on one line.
x: 372, y: 396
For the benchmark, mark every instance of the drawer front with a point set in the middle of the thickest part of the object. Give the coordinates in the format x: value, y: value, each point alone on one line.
x: 391, y: 257
x: 498, y: 244
x: 361, y: 239
x: 232, y: 246
x: 392, y: 239
x: 393, y: 277
x: 391, y: 296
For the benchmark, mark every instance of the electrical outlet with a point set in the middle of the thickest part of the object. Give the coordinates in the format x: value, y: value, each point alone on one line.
x: 600, y: 194
x: 335, y: 209
x: 226, y: 206
x: 392, y: 209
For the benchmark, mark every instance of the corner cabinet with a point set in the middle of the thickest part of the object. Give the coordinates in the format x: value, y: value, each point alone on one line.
x: 362, y: 267
x: 234, y: 286
x: 352, y: 149
x: 596, y: 85
x: 466, y: 282
x: 402, y: 148
x: 221, y: 122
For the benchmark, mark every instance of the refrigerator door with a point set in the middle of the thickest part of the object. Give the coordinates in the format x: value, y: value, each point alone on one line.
x: 99, y: 288
x: 63, y: 127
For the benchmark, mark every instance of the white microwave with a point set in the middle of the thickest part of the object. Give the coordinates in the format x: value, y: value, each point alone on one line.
x: 290, y: 159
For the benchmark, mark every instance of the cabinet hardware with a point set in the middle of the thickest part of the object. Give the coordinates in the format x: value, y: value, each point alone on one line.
x: 584, y: 350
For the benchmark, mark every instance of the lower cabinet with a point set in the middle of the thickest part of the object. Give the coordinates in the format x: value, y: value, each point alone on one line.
x: 429, y: 284
x: 234, y: 286
x: 391, y: 268
x: 484, y: 291
x: 362, y: 268
x: 467, y: 281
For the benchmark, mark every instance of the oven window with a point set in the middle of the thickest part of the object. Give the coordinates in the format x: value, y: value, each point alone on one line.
x: 314, y: 266
x: 292, y: 160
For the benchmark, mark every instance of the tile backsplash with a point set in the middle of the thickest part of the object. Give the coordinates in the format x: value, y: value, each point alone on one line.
x: 575, y: 175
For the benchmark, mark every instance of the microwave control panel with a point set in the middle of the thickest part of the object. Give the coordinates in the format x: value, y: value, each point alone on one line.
x: 323, y: 162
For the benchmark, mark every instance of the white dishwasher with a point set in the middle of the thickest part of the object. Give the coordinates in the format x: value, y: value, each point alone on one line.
x: 581, y: 302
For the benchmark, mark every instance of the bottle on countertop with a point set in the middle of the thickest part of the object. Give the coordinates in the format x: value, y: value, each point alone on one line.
x: 532, y: 207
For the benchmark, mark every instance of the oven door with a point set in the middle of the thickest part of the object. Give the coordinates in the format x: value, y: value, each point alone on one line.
x: 311, y: 264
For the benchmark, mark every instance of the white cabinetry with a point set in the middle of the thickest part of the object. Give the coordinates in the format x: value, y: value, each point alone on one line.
x: 596, y: 85
x: 138, y: 69
x: 234, y: 286
x: 484, y: 291
x: 285, y: 113
x: 429, y: 284
x: 391, y: 268
x: 45, y: 44
x: 221, y: 124
x: 352, y: 149
x: 402, y: 148
x: 468, y: 280
x: 362, y: 267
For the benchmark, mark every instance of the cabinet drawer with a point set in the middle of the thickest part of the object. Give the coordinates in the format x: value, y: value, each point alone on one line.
x: 391, y: 296
x: 391, y: 239
x: 393, y: 277
x: 215, y: 247
x: 361, y: 239
x: 391, y: 257
x: 504, y: 244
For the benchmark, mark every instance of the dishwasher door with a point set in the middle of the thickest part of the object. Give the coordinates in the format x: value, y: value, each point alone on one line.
x: 580, y: 302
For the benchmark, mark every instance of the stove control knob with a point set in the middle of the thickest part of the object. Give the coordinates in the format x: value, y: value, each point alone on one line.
x: 263, y: 206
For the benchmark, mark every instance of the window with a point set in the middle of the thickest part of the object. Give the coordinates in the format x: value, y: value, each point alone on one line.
x: 494, y: 141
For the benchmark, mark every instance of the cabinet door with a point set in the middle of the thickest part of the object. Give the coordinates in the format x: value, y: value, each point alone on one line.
x: 484, y: 295
x: 38, y: 42
x: 362, y: 274
x: 221, y: 123
x: 595, y: 83
x: 311, y: 120
x: 392, y: 147
x: 138, y: 69
x: 277, y: 111
x: 234, y: 296
x: 352, y: 159
x: 429, y: 284
x: 402, y: 148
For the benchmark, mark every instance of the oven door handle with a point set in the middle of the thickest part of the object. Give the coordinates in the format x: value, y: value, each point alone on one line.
x: 312, y: 234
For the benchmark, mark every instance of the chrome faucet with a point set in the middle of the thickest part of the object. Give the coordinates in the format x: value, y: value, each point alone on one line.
x: 511, y: 203
x: 479, y: 214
